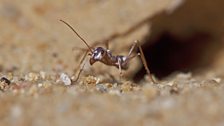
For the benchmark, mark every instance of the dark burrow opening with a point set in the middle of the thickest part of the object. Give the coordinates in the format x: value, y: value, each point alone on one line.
x: 170, y: 53
x: 186, y: 40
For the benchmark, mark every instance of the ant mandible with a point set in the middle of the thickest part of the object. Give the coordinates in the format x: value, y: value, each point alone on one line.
x: 100, y: 54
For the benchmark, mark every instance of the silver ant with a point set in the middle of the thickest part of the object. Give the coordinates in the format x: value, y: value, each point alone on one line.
x: 100, y: 54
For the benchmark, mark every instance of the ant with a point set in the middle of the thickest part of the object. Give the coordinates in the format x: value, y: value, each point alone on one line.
x: 100, y: 54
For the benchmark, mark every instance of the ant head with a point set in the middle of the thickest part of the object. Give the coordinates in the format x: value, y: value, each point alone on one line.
x: 97, y: 55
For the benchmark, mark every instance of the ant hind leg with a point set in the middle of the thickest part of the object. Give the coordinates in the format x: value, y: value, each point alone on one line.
x: 144, y: 61
x: 120, y: 70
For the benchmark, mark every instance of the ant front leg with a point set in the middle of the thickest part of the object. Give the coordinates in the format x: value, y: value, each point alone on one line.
x: 129, y: 56
x: 81, y: 67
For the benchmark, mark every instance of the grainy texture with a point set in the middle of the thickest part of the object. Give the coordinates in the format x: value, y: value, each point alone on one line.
x: 36, y: 57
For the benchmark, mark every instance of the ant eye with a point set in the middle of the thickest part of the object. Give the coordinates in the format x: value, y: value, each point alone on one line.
x: 102, y: 52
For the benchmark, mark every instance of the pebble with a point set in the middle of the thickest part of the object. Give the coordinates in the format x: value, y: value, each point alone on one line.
x: 5, y: 80
x: 114, y: 92
x: 65, y: 79
x: 217, y: 80
x: 126, y: 87
x: 4, y: 83
x: 91, y: 80
x: 32, y: 77
x: 102, y: 88
x: 43, y: 74
x: 40, y: 85
x: 184, y: 76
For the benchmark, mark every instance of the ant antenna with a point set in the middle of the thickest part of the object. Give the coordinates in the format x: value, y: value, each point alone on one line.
x: 77, y: 34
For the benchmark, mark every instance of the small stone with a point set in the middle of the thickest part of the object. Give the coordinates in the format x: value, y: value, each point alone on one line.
x: 114, y: 92
x: 15, y: 79
x: 10, y: 76
x: 171, y: 83
x: 126, y: 87
x: 109, y: 85
x: 65, y: 79
x: 43, y: 74
x: 40, y: 85
x: 217, y: 80
x: 4, y: 83
x: 184, y: 76
x: 5, y: 80
x: 92, y: 80
x: 32, y: 77
x: 46, y: 84
x: 101, y: 87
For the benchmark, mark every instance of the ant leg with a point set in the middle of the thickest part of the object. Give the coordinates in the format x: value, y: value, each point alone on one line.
x: 129, y: 57
x: 131, y: 50
x: 144, y: 61
x: 81, y: 68
x: 119, y: 67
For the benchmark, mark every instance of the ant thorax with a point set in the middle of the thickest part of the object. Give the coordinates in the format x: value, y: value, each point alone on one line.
x: 102, y: 55
x: 98, y: 54
x: 124, y: 60
x: 105, y: 56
